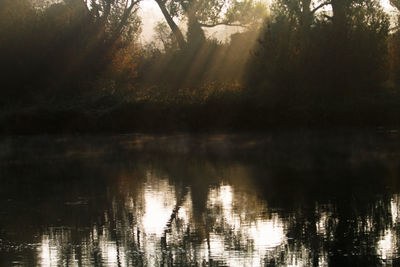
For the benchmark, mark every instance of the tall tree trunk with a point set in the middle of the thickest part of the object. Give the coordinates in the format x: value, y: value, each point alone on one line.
x: 195, y: 34
x: 339, y: 60
x: 306, y: 16
x: 339, y: 18
x: 174, y: 28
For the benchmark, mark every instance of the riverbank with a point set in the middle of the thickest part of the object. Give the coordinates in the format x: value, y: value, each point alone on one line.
x: 217, y: 111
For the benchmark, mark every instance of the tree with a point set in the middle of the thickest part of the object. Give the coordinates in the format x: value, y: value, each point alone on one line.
x: 164, y: 35
x: 61, y: 47
x: 394, y: 46
x: 207, y: 14
x: 114, y: 18
x: 307, y: 47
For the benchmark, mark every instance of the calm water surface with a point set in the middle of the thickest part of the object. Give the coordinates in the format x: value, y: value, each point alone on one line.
x: 283, y: 199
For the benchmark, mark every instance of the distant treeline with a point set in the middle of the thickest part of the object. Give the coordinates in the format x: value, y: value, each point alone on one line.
x: 79, y: 66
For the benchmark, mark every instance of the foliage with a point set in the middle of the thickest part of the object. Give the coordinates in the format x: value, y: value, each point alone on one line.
x: 292, y: 54
x: 209, y: 13
x: 301, y: 63
x: 62, y: 48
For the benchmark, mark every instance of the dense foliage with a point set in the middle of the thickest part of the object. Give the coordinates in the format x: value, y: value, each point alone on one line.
x: 78, y: 65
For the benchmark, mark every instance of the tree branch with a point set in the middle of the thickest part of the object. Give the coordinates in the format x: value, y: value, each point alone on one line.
x: 174, y: 28
x: 124, y: 19
x: 320, y: 6
x: 221, y: 23
x: 395, y: 3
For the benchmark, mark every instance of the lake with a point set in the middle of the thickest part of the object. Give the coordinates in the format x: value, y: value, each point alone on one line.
x: 301, y: 198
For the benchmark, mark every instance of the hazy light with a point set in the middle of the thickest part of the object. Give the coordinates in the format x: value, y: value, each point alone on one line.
x: 386, y: 5
x: 151, y: 14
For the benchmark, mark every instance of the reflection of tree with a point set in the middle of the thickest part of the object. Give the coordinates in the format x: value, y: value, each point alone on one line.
x: 284, y: 206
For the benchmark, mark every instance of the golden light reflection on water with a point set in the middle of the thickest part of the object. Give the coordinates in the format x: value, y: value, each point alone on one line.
x: 48, y: 253
x: 257, y: 236
x: 312, y: 205
x: 388, y: 245
x: 326, y: 222
x: 385, y: 245
x: 159, y: 201
x: 236, y: 228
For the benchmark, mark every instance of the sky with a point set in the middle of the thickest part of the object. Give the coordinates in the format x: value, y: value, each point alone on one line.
x: 151, y: 14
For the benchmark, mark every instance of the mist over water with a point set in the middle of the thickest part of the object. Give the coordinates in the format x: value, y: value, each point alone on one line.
x: 283, y: 199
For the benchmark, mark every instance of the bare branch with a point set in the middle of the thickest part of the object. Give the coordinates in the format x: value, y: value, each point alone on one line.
x: 222, y: 23
x: 320, y: 6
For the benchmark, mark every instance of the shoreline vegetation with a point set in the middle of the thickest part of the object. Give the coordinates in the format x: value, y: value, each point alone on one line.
x: 374, y: 111
x: 72, y: 67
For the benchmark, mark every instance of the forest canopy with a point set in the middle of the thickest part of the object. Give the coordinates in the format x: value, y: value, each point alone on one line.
x: 291, y: 62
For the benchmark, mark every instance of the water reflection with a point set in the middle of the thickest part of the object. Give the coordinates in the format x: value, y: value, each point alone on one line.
x: 272, y: 205
x: 48, y: 254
